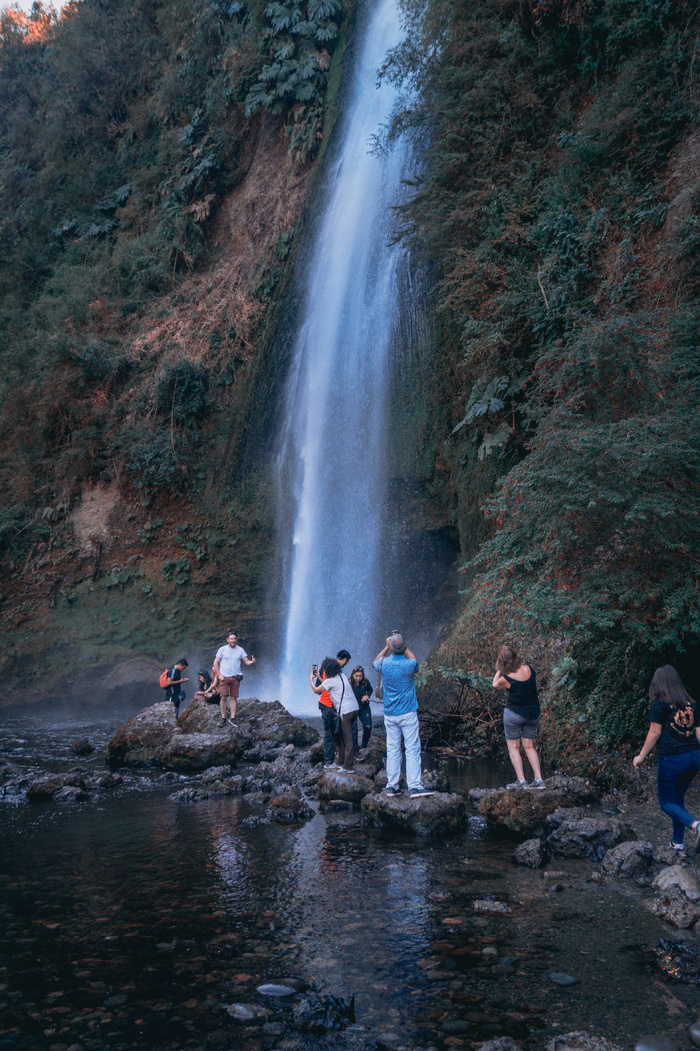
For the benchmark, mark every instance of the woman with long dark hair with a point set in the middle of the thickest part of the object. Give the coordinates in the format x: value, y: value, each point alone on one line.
x: 674, y: 722
x: 521, y: 716
x: 363, y: 690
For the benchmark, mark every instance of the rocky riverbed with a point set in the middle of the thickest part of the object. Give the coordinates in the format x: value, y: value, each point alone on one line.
x: 263, y: 872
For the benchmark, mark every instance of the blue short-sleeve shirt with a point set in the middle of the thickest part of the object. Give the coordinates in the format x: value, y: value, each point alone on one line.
x: 397, y: 683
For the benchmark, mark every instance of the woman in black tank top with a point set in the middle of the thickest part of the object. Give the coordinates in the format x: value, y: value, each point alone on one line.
x: 522, y: 713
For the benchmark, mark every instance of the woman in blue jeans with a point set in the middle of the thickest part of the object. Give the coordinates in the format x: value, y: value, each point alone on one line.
x: 674, y: 722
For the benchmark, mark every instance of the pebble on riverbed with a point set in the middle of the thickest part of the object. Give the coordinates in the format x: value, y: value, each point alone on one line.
x: 561, y: 979
x: 495, y: 908
x: 248, y: 1012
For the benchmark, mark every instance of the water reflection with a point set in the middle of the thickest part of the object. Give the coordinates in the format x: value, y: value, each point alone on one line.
x: 130, y: 925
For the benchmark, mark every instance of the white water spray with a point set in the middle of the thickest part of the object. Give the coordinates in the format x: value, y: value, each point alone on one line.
x: 333, y: 447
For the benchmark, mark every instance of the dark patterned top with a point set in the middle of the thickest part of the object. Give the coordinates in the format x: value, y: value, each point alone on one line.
x: 677, y: 727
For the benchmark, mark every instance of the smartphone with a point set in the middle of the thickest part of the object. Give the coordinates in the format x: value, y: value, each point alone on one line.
x: 314, y: 668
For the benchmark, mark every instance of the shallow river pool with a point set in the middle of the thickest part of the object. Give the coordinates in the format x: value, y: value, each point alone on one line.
x: 133, y: 921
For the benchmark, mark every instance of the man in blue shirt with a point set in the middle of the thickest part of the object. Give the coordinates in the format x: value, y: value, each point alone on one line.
x: 398, y: 666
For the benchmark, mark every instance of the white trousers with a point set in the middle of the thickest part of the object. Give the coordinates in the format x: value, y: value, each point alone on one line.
x: 406, y: 727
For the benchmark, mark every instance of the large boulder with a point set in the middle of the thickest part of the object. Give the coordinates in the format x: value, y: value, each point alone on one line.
x: 427, y: 815
x: 588, y: 837
x: 633, y: 859
x: 525, y: 809
x: 149, y: 738
x: 350, y: 787
x: 142, y: 738
x: 186, y: 752
x: 258, y: 720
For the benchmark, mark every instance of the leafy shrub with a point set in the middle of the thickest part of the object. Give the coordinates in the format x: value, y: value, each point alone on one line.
x: 183, y: 391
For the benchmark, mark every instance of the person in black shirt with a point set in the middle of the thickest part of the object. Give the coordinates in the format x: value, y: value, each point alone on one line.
x: 173, y: 684
x: 363, y: 689
x: 674, y: 722
x: 521, y: 717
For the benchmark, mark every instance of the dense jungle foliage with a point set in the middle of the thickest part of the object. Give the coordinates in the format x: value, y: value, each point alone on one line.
x: 122, y: 125
x: 559, y: 205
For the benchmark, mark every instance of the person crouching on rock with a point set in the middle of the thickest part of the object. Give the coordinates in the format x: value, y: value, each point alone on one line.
x: 398, y: 665
x: 208, y: 688
x: 336, y: 684
x: 674, y: 721
x: 521, y: 717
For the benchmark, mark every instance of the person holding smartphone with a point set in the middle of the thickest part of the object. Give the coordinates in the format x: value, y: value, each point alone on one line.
x: 398, y: 666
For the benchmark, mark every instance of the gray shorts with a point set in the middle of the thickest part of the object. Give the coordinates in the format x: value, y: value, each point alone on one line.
x: 517, y: 726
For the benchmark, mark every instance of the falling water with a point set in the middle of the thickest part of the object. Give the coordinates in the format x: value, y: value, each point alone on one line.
x: 333, y: 447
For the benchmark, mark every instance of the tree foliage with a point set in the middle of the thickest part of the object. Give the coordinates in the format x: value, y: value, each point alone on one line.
x: 568, y: 313
x: 122, y: 125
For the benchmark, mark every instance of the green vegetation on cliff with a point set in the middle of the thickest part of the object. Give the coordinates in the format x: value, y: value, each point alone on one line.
x: 560, y: 206
x: 155, y: 164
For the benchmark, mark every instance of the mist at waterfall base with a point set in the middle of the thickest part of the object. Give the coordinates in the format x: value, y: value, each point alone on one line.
x: 335, y: 522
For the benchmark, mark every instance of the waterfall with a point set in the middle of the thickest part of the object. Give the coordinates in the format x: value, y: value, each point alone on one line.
x: 332, y: 453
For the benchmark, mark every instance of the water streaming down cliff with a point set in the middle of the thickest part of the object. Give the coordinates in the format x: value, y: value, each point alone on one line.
x: 333, y: 445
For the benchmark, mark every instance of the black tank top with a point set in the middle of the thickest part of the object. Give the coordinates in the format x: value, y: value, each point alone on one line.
x: 522, y: 696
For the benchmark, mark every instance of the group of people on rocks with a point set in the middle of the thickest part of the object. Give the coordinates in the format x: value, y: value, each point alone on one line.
x: 674, y: 718
x: 222, y: 686
x: 343, y: 701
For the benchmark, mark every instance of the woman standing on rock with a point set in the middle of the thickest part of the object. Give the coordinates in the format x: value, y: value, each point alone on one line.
x: 674, y: 722
x: 521, y: 717
x: 345, y: 705
x: 363, y: 690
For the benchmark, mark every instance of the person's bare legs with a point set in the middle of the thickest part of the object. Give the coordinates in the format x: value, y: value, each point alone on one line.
x: 516, y: 758
x: 532, y: 757
x: 233, y: 699
x: 222, y: 705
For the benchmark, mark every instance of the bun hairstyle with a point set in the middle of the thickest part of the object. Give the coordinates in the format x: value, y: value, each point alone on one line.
x: 666, y: 685
x: 507, y: 660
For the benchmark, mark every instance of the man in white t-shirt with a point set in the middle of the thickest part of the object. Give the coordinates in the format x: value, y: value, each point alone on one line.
x: 227, y: 667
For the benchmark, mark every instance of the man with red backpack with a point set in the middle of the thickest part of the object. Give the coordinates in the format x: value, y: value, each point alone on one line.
x: 171, y: 682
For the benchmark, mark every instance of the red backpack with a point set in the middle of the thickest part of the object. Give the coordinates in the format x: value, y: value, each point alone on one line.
x: 163, y: 680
